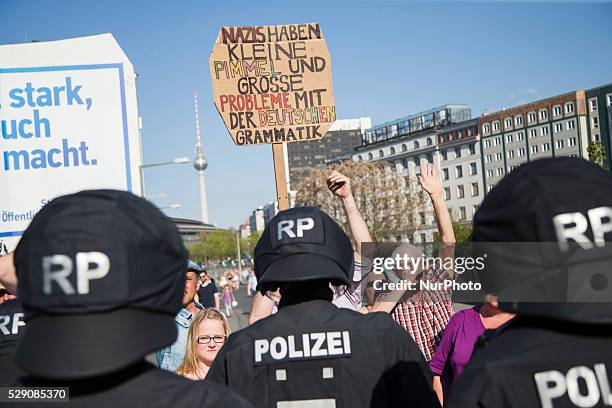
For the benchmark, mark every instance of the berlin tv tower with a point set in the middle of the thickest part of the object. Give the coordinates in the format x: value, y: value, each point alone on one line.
x: 200, y: 163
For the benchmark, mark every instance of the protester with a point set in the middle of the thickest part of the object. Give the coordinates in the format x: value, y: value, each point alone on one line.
x: 101, y: 274
x: 546, y: 228
x: 347, y: 296
x: 312, y: 353
x: 170, y: 357
x: 12, y: 327
x: 207, y: 334
x: 228, y: 300
x: 208, y: 294
x: 460, y: 335
x: 424, y: 314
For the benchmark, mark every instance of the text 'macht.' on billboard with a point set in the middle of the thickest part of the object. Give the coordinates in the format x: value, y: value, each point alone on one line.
x: 273, y: 84
x: 68, y: 122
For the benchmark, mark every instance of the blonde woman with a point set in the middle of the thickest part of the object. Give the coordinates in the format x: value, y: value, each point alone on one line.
x: 207, y: 334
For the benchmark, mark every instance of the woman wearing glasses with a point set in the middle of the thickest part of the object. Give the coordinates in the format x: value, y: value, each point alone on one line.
x: 207, y: 334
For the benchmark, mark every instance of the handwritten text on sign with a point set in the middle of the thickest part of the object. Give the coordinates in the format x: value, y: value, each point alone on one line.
x: 273, y: 84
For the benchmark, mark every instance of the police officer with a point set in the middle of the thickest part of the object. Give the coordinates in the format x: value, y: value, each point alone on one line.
x: 12, y: 327
x: 101, y: 275
x: 546, y: 228
x: 311, y: 353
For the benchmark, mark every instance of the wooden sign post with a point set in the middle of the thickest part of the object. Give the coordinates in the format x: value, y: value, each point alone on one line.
x: 273, y: 85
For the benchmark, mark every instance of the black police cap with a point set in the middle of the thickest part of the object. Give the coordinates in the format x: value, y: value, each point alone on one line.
x: 101, y: 276
x: 303, y: 244
x: 525, y: 226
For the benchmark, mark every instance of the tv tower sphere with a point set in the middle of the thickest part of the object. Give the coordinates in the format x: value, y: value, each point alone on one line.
x: 200, y: 163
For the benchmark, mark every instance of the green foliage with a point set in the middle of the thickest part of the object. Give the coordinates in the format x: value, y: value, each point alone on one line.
x: 463, y: 233
x: 214, y: 246
x: 247, y: 245
x: 597, y: 153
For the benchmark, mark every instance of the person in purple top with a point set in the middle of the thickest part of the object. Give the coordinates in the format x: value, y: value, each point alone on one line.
x: 460, y: 335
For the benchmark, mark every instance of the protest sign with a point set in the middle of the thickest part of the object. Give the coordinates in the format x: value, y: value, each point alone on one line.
x: 273, y: 84
x: 68, y: 122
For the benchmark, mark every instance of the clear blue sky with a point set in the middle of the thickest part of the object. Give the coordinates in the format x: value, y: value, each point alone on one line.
x: 390, y: 59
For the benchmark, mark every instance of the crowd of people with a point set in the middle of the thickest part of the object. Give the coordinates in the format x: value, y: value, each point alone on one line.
x: 89, y: 311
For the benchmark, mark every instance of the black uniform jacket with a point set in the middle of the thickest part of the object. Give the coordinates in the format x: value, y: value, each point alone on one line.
x: 538, y: 363
x: 314, y: 354
x: 12, y: 327
x: 142, y: 385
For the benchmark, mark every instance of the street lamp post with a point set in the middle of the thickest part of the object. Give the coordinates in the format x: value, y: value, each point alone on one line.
x: 179, y: 160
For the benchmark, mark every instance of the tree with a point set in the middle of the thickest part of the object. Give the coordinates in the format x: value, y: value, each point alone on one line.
x: 214, y: 246
x: 390, y: 202
x: 247, y: 245
x: 597, y: 153
x: 463, y: 233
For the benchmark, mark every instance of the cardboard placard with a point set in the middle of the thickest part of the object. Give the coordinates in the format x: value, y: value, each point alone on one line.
x: 273, y: 84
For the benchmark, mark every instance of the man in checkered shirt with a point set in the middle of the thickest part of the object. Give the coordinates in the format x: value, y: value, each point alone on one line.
x: 424, y: 314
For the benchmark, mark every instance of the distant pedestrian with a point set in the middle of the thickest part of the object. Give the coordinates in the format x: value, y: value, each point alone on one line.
x: 228, y: 300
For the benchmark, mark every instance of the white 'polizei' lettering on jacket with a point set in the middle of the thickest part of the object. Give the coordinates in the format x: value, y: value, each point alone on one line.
x: 313, y: 345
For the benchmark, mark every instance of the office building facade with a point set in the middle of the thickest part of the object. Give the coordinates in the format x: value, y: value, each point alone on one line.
x: 599, y: 118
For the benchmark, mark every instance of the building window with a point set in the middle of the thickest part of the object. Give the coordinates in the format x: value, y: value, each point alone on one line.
x: 593, y: 104
x: 490, y: 173
x: 404, y: 148
x: 488, y: 143
x: 533, y: 133
x: 531, y: 117
x: 459, y: 171
x: 595, y: 122
x: 496, y: 126
x: 370, y: 156
x: 457, y: 152
x: 462, y: 213
x: 509, y: 138
x: 444, y: 174
x: 474, y: 189
x: 416, y: 145
x: 569, y: 107
x: 444, y: 154
x: 534, y: 149
x: 557, y: 111
x: 489, y: 158
x: 447, y: 193
x: 498, y: 156
x: 610, y: 100
x: 460, y: 192
x: 381, y: 153
x: 476, y: 207
x: 500, y: 171
x: 571, y: 124
x: 472, y: 148
x: 359, y: 158
x: 544, y: 130
x: 497, y: 141
x: 559, y: 144
x: 422, y: 218
x: 558, y: 127
x: 521, y: 152
x: 405, y: 163
x: 508, y: 123
x: 511, y: 154
x: 486, y: 128
x: 545, y: 147
x: 543, y: 114
x: 571, y: 141
x: 392, y: 150
x: 473, y: 169
x: 490, y: 187
x: 430, y: 157
x: 518, y: 120
x: 429, y: 141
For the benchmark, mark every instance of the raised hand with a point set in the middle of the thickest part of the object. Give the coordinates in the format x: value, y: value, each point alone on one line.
x: 339, y: 184
x: 430, y: 179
